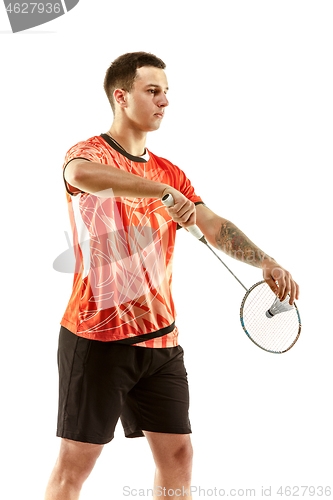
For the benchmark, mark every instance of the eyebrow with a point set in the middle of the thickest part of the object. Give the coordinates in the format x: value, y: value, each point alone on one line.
x: 156, y: 86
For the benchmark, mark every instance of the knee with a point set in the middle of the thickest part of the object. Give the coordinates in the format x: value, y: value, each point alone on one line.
x: 71, y: 474
x: 75, y: 463
x: 183, y: 461
x: 179, y: 461
x: 184, y: 455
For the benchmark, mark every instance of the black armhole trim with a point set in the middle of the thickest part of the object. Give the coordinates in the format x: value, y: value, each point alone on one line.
x: 146, y: 336
x: 113, y: 145
x: 196, y: 203
x: 63, y: 173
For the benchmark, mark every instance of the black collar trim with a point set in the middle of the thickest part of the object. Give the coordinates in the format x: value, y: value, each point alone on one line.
x: 113, y: 145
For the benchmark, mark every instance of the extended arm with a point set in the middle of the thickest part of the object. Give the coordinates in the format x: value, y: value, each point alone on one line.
x: 225, y: 236
x: 107, y: 181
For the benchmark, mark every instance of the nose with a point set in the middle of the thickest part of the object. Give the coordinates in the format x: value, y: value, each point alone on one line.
x: 163, y: 101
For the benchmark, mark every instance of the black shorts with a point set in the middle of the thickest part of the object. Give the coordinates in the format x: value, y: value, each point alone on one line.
x: 102, y: 381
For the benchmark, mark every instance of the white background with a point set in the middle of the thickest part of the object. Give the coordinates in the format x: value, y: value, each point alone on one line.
x: 250, y: 122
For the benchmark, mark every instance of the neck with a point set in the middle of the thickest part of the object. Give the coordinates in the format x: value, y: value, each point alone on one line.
x: 133, y: 141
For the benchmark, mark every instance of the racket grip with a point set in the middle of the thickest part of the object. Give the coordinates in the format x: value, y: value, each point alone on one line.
x: 168, y: 201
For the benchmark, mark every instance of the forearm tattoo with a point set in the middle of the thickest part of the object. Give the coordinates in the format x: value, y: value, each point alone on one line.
x: 234, y: 243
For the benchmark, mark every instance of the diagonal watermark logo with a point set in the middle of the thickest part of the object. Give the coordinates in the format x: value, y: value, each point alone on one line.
x: 25, y: 15
x: 65, y: 262
x: 122, y: 265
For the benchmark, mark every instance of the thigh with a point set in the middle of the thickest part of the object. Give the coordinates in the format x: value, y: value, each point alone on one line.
x: 170, y: 449
x: 159, y: 402
x: 95, y: 378
x: 77, y: 455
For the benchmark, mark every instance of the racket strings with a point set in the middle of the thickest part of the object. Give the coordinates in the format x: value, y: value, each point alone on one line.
x: 275, y: 334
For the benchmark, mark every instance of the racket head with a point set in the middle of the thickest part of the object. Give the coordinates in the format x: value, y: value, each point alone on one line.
x: 277, y: 334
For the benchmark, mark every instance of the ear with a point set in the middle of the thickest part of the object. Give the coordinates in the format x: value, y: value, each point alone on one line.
x: 120, y: 97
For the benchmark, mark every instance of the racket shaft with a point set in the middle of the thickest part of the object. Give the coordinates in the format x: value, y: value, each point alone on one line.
x: 225, y: 265
x: 168, y: 201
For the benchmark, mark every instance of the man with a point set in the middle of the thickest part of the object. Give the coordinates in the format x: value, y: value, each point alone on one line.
x: 118, y: 347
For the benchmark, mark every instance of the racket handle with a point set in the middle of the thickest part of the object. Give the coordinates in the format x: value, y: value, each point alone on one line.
x: 168, y: 201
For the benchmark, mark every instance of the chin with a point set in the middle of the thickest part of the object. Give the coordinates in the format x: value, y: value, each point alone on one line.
x: 150, y: 127
x: 155, y: 126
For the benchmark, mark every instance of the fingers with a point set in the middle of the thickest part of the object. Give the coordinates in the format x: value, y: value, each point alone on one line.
x: 294, y: 291
x: 183, y: 213
x: 286, y: 285
x: 273, y: 286
x: 283, y: 281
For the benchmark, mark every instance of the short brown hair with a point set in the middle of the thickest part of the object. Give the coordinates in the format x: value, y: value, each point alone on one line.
x: 122, y: 72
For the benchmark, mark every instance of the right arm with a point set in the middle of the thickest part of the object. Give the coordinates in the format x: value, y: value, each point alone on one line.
x: 107, y: 181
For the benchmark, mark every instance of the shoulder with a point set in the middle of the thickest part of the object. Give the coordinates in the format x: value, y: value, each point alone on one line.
x: 91, y: 143
x: 164, y: 163
x: 93, y: 149
x: 158, y: 159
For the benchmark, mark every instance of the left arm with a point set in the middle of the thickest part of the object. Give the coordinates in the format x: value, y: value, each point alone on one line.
x: 225, y: 236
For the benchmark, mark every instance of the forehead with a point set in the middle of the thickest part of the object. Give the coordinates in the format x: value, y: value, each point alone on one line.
x: 149, y: 75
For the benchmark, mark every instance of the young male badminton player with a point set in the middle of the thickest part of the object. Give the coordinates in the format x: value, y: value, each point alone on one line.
x: 118, y: 347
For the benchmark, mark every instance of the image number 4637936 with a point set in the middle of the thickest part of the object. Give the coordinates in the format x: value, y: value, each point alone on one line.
x: 26, y: 15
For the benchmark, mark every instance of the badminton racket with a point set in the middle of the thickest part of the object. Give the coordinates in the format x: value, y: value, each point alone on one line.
x: 272, y: 325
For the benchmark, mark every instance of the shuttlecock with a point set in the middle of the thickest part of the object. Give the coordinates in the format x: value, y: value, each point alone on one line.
x: 278, y: 307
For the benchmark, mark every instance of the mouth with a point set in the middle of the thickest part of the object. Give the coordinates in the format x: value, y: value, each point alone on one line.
x: 159, y: 115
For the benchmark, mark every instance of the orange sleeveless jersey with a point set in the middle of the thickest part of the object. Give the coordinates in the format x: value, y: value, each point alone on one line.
x: 123, y: 251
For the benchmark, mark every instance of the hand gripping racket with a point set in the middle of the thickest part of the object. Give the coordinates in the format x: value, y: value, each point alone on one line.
x: 272, y: 325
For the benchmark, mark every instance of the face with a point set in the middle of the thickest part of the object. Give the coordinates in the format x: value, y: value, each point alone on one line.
x: 146, y: 103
